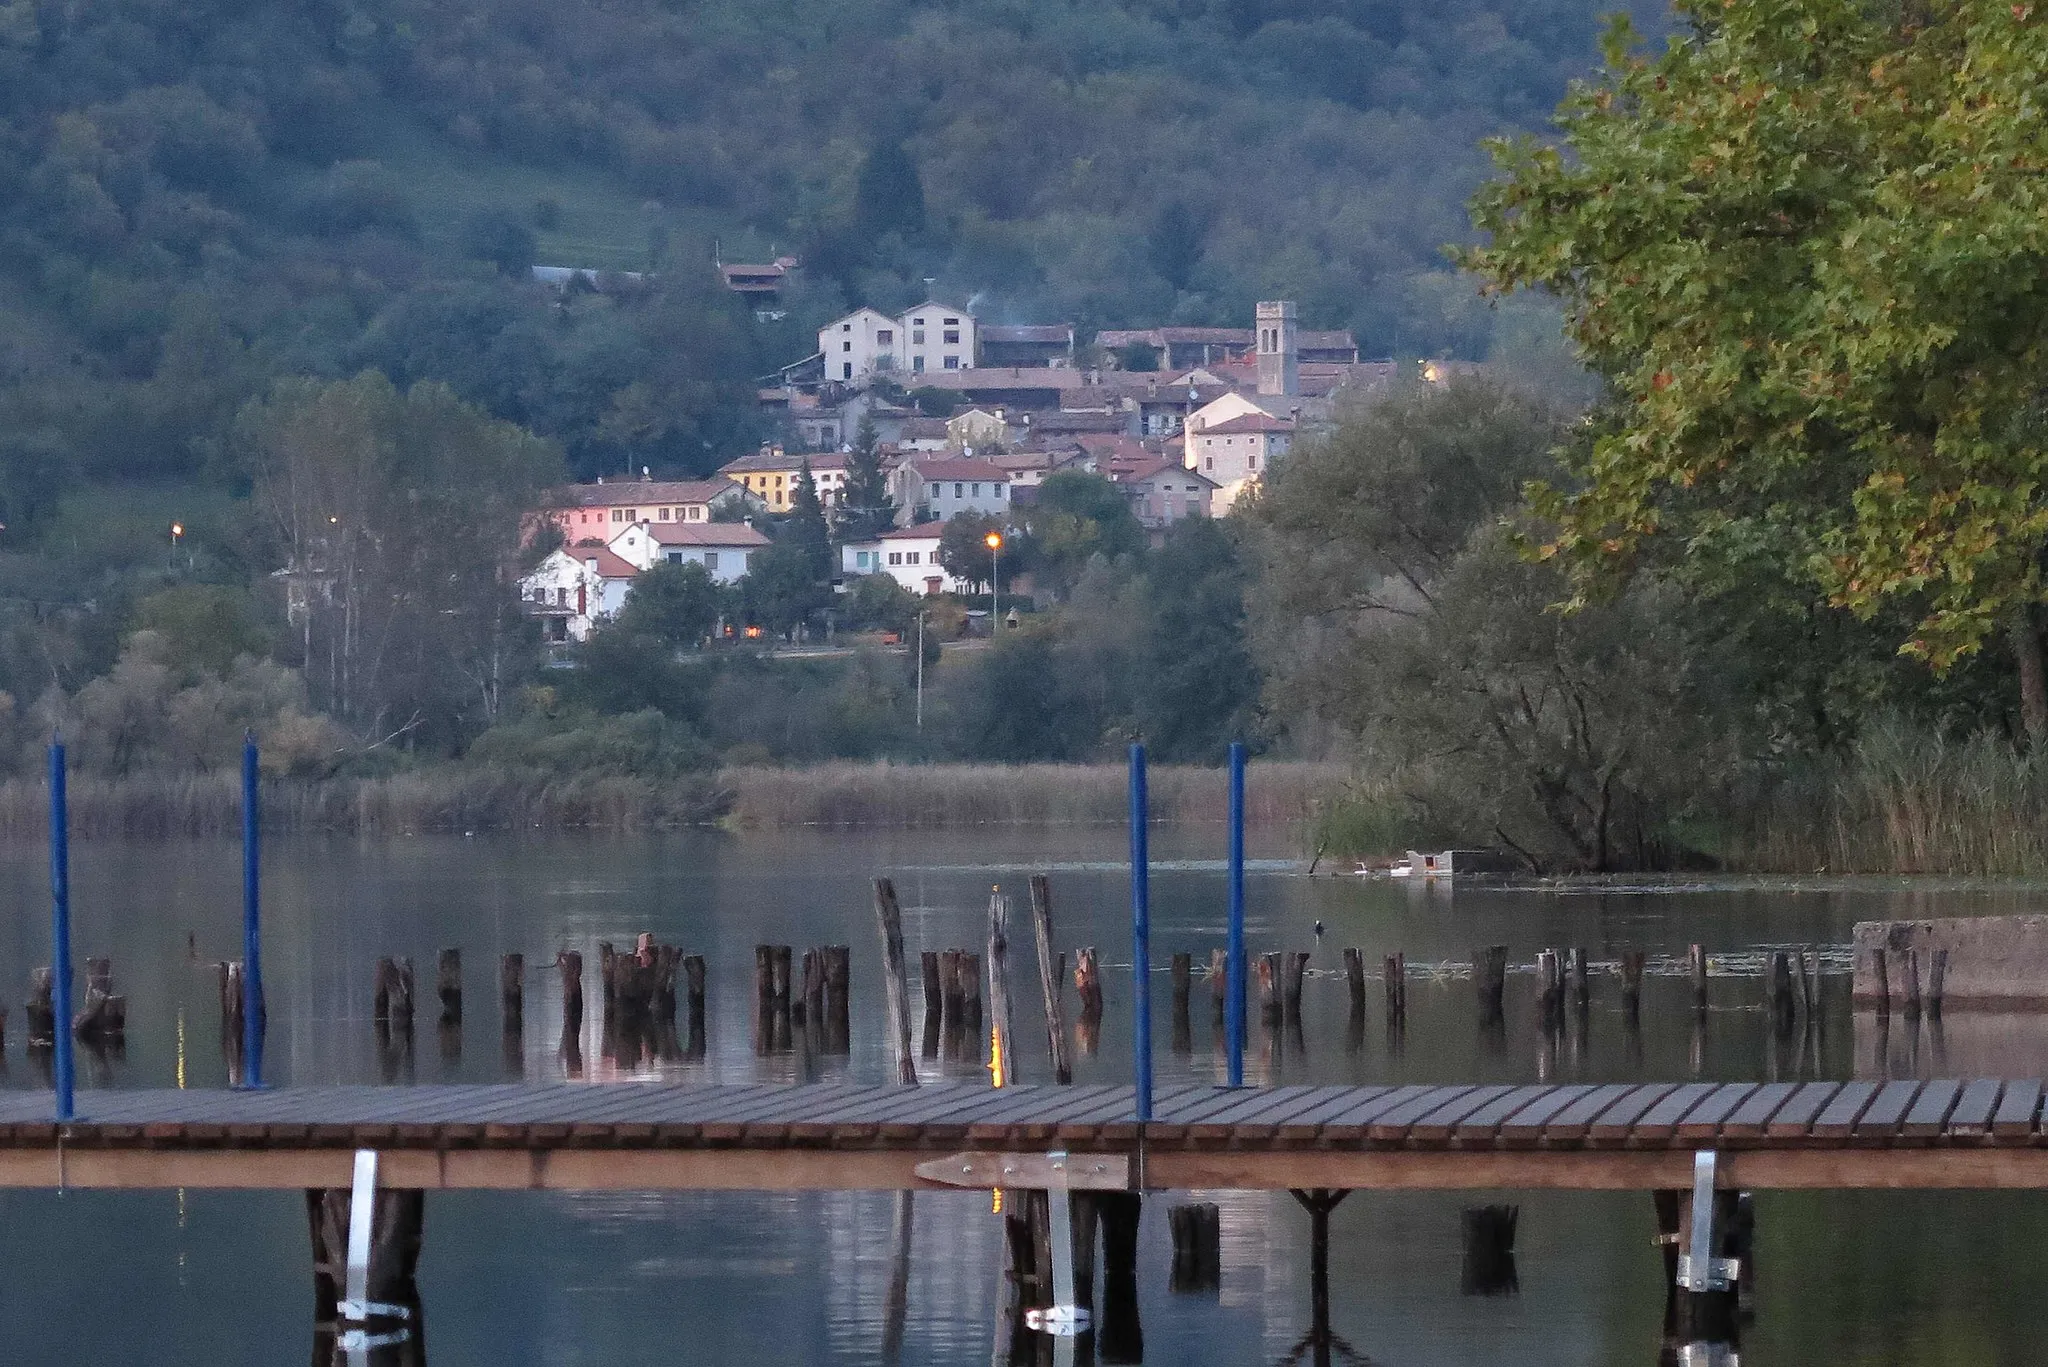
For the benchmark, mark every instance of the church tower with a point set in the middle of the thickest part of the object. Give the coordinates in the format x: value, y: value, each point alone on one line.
x: 1279, y: 351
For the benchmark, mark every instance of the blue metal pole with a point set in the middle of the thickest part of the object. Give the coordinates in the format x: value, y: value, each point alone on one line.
x: 252, y: 932
x: 1141, y: 934
x: 60, y: 926
x: 1233, y: 1008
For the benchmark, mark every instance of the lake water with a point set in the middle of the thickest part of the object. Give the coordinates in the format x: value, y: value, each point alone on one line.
x: 1900, y: 1279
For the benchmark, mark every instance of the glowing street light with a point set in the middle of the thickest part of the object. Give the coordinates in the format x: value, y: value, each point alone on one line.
x: 994, y: 542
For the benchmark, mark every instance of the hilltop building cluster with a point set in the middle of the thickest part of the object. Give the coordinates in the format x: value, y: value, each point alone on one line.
x: 967, y: 417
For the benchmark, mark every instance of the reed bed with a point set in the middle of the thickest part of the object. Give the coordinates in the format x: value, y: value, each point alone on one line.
x: 936, y: 796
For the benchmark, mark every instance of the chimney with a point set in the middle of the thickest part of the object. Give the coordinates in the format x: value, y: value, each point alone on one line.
x: 1278, y: 350
x: 646, y: 476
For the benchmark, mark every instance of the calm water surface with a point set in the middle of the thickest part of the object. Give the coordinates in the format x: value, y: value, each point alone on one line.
x: 216, y: 1279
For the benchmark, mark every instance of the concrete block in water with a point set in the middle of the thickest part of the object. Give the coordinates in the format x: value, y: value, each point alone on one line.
x: 1995, y: 963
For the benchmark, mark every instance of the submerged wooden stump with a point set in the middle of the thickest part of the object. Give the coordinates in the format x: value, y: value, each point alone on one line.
x: 1197, y: 1229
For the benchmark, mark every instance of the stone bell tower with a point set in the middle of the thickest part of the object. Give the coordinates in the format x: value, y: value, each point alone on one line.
x: 1279, y: 351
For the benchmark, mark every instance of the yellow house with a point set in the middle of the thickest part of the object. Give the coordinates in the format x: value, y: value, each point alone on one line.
x: 771, y: 474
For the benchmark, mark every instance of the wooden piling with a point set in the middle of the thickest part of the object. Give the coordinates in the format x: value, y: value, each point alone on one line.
x: 693, y: 988
x: 512, y: 992
x: 1290, y: 1001
x: 41, y: 1011
x: 1354, y: 982
x: 1937, y: 974
x: 1490, y: 976
x: 569, y: 963
x: 934, y: 999
x: 764, y: 985
x: 889, y: 917
x: 1088, y: 983
x: 104, y: 1016
x: 1050, y: 975
x: 1270, y: 1008
x: 1632, y: 983
x: 1003, y: 1050
x: 1911, y: 985
x: 1696, y: 966
x: 1394, y: 970
x: 1219, y: 984
x: 393, y: 1003
x: 1197, y: 1247
x: 448, y: 985
x: 1580, y: 982
x: 970, y: 984
x: 839, y: 998
x: 1779, y: 991
x: 1883, y: 1001
x: 1550, y: 1000
x: 396, y: 1226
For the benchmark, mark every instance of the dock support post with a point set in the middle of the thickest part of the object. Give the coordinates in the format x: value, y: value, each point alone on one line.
x: 371, y: 1237
x: 838, y: 999
x: 1489, y: 1263
x: 1141, y: 935
x: 1003, y: 1055
x: 1233, y: 1004
x: 1197, y: 1247
x: 1319, y: 1203
x: 1121, y: 1337
x: 1701, y: 1233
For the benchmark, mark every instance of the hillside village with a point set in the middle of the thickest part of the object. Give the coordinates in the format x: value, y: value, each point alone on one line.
x: 961, y: 418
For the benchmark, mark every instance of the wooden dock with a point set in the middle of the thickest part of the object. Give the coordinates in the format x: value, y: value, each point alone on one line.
x: 1982, y: 1133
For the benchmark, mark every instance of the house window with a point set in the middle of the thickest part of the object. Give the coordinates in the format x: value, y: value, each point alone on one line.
x: 618, y: 515
x: 668, y: 514
x: 977, y: 491
x: 1209, y: 463
x: 846, y: 327
x: 696, y: 514
x: 952, y: 322
x: 917, y: 322
x: 917, y: 364
x: 711, y: 560
x: 846, y: 346
x: 846, y: 371
x: 951, y: 336
x: 895, y: 557
x: 952, y: 363
x: 910, y: 557
x: 561, y: 598
x: 956, y: 491
x: 885, y: 337
x: 999, y: 490
x: 675, y: 557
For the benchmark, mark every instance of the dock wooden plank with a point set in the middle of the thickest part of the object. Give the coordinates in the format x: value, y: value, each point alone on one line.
x: 1971, y: 1119
x: 1749, y: 1120
x: 1438, y: 1125
x: 1702, y: 1123
x: 1569, y: 1125
x: 1483, y: 1121
x: 1526, y: 1124
x: 1333, y: 1102
x: 1881, y: 1119
x: 1659, y: 1124
x: 1794, y: 1119
x: 2018, y: 1105
x: 1391, y: 1127
x: 1292, y: 1115
x: 1838, y: 1118
x: 1613, y: 1125
x: 1254, y: 1102
x: 1928, y: 1115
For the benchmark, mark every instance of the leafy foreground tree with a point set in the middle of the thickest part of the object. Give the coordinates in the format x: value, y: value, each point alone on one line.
x: 1805, y: 245
x: 676, y: 606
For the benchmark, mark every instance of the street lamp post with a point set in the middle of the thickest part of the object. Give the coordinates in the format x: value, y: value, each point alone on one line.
x: 177, y: 531
x: 994, y: 541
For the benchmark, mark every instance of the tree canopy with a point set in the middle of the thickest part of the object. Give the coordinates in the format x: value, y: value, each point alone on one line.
x: 1804, y: 244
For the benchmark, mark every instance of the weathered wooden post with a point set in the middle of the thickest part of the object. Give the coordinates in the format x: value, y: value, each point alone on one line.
x: 396, y: 1225
x: 889, y: 917
x: 570, y: 963
x: 1550, y: 1004
x: 1297, y: 968
x: 1490, y: 975
x: 1632, y: 985
x: 1049, y: 978
x: 1696, y: 965
x: 1884, y: 991
x: 780, y: 980
x: 41, y: 1011
x: 1197, y: 1247
x: 104, y: 1017
x: 512, y: 992
x: 934, y: 1000
x: 1183, y: 971
x: 1937, y: 975
x: 1088, y: 983
x: 1488, y: 1268
x: 1219, y: 984
x: 1911, y: 985
x: 1271, y: 1010
x: 1354, y: 983
x: 1003, y: 1051
x: 1581, y: 984
x: 448, y: 986
x: 971, y: 967
x: 952, y: 1003
x: 1783, y: 1008
x: 1394, y: 974
x: 839, y: 998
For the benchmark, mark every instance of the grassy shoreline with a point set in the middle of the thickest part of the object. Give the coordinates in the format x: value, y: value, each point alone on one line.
x: 838, y: 795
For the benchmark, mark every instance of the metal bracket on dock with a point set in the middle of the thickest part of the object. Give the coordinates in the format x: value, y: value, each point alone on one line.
x: 356, y: 1306
x: 1064, y: 1318
x: 1708, y: 1355
x: 1698, y: 1269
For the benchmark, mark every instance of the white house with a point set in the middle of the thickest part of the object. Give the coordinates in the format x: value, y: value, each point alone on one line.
x: 858, y: 345
x: 931, y: 338
x: 909, y: 555
x: 1234, y: 441
x: 724, y: 549
x: 575, y: 588
x: 948, y: 486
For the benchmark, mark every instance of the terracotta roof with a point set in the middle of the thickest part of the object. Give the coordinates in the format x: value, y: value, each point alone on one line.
x: 610, y: 564
x: 1000, y: 377
x: 1325, y: 341
x: 958, y: 469
x: 1248, y: 422
x: 631, y: 492
x: 923, y: 531
x: 772, y: 461
x: 719, y: 534
x: 1139, y: 474
x: 1066, y: 420
x: 916, y: 429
